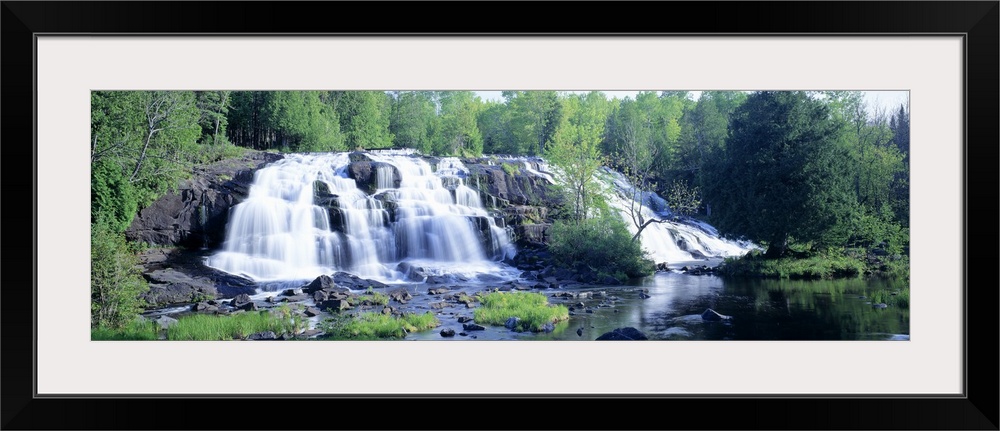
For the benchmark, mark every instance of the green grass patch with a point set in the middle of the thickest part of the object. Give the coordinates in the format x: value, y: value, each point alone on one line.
x: 820, y: 266
x: 370, y: 297
x: 896, y: 268
x: 511, y: 169
x: 533, y: 309
x: 377, y: 326
x: 205, y: 327
x: 137, y: 330
x: 894, y: 298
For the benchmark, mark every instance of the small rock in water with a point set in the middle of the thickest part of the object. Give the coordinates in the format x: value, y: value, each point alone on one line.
x: 579, y: 332
x: 713, y: 316
x: 473, y: 327
x: 464, y: 334
x: 589, y: 310
x: 881, y: 305
x: 463, y: 319
x: 512, y: 322
x: 447, y: 332
x: 548, y: 327
x: 312, y: 312
x: 643, y: 295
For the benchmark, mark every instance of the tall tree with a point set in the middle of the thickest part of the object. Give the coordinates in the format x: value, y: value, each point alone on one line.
x: 458, y: 133
x: 576, y: 149
x: 534, y: 117
x: 704, y: 129
x: 412, y: 118
x: 364, y: 117
x: 900, y: 126
x: 142, y: 144
x: 783, y: 174
x: 496, y: 125
x: 214, y: 106
x: 878, y: 168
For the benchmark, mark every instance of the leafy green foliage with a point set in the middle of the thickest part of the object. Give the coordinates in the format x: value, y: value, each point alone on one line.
x: 413, y: 119
x: 115, y: 281
x: 783, y: 173
x: 364, y: 117
x: 214, y: 107
x: 704, y: 130
x: 286, y: 120
x: 533, y: 310
x: 458, y: 132
x: 533, y: 118
x: 684, y: 199
x: 575, y: 150
x: 497, y: 127
x: 602, y: 244
x: 113, y: 198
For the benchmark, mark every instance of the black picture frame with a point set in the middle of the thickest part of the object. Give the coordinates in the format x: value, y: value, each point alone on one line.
x: 977, y: 22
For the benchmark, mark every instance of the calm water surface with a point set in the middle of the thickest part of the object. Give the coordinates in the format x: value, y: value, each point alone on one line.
x: 760, y: 310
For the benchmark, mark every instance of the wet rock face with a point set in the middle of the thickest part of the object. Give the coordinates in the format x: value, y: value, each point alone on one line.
x: 518, y: 187
x: 195, y: 215
x: 168, y: 286
x: 365, y: 173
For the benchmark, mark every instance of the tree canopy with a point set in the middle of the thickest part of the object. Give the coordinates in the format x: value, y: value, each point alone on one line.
x: 783, y: 174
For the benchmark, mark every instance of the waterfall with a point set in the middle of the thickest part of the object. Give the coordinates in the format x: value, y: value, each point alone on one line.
x: 312, y: 214
x: 679, y: 239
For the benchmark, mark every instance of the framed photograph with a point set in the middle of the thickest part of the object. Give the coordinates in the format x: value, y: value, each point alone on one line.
x: 930, y: 367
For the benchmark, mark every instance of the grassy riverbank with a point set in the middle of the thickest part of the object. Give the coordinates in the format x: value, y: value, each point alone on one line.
x: 824, y: 265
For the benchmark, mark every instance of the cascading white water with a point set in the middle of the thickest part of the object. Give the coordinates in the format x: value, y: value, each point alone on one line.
x: 304, y: 217
x: 674, y: 240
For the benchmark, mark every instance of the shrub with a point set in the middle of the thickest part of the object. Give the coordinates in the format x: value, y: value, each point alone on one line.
x: 602, y: 244
x: 114, y: 200
x: 115, y: 280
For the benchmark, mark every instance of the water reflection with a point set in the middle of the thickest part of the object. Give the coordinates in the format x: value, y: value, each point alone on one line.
x: 760, y: 310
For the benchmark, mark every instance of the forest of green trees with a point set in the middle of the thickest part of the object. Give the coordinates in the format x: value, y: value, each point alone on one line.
x: 778, y: 168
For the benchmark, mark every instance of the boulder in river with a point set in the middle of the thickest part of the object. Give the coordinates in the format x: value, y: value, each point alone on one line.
x: 714, y: 316
x: 622, y: 334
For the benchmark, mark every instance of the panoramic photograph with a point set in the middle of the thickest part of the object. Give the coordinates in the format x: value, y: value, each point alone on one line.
x: 500, y: 215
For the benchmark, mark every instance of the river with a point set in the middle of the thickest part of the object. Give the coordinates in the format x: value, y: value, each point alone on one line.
x: 760, y: 310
